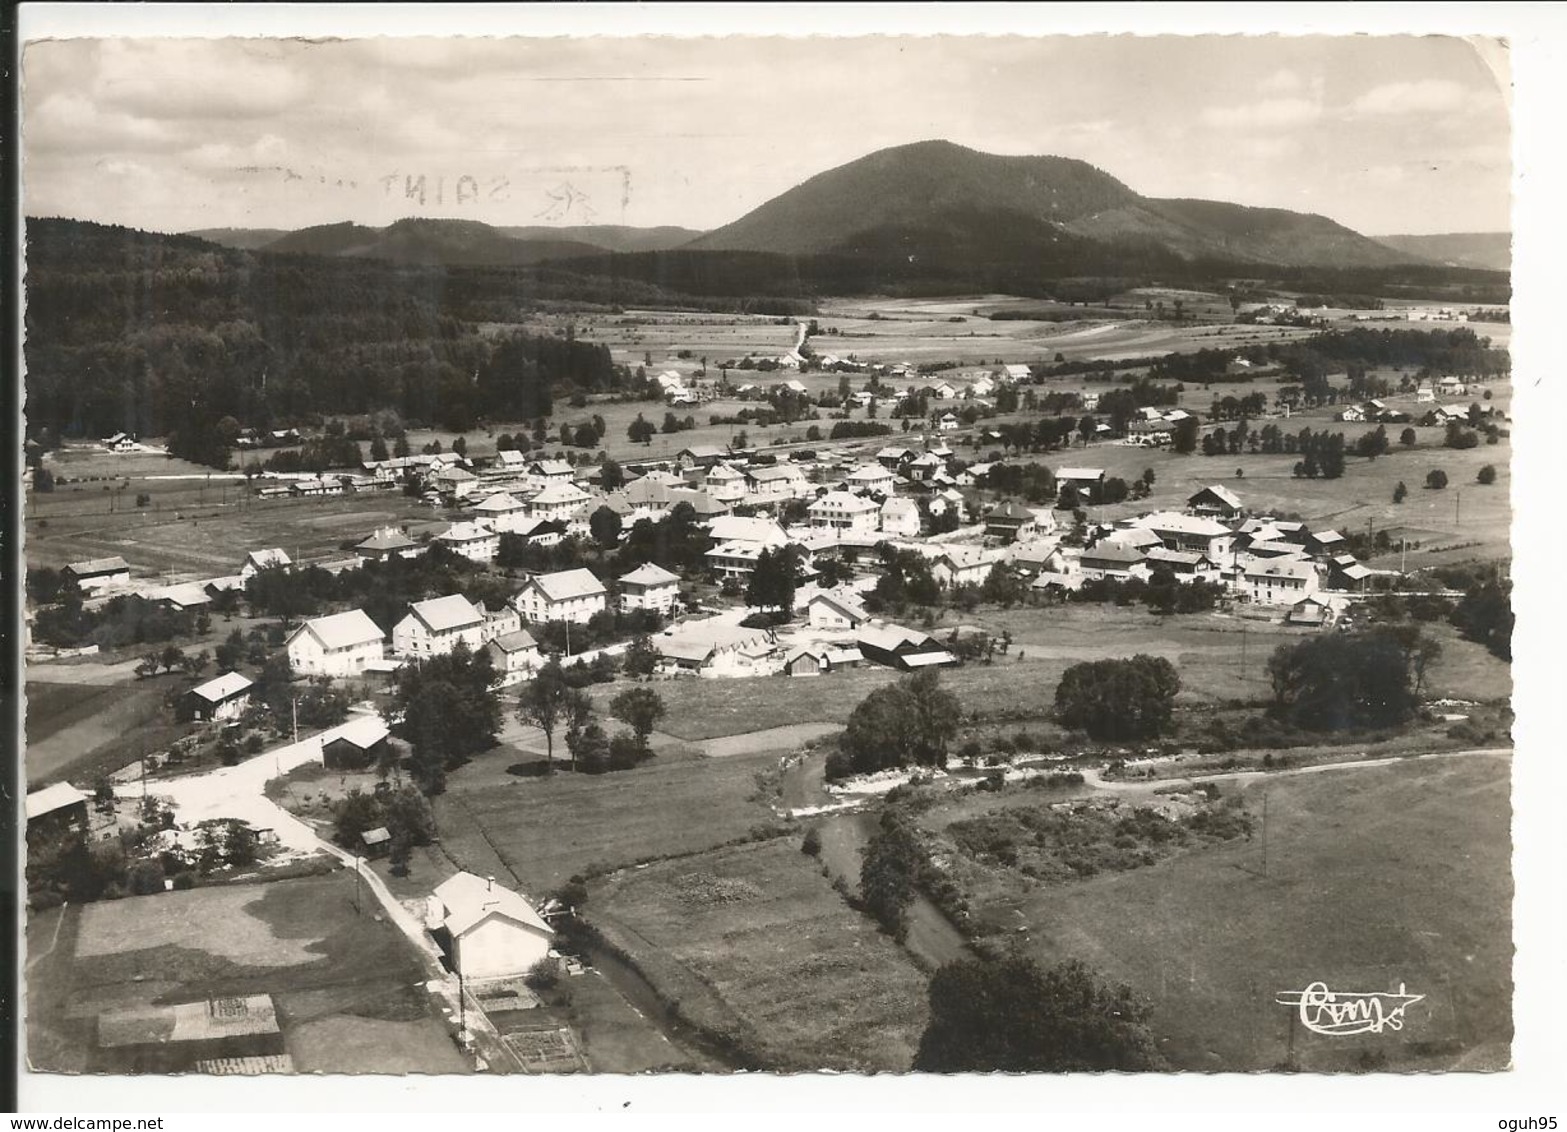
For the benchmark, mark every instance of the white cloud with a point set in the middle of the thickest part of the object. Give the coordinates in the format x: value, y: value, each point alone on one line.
x: 1283, y: 81
x: 1421, y: 97
x: 1275, y: 113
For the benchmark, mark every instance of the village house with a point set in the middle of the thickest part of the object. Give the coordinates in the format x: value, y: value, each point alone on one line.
x: 433, y: 627
x: 509, y: 462
x: 486, y: 930
x: 896, y: 646
x: 716, y: 650
x: 1186, y: 565
x: 725, y: 483
x: 953, y: 566
x: 98, y: 574
x: 900, y: 517
x: 56, y: 810
x: 701, y: 455
x: 757, y: 529
x: 872, y: 478
x: 1215, y: 502
x: 388, y: 543
x: 649, y: 586
x: 782, y: 481
x: 500, y: 512
x: 1180, y: 531
x: 1309, y: 612
x: 356, y: 745
x: 120, y: 443
x: 539, y: 532
x: 1109, y: 558
x: 945, y: 500
x: 473, y: 540
x: 701, y: 502
x: 818, y: 659
x: 455, y: 482
x: 340, y: 645
x: 545, y: 473
x: 566, y: 595
x: 893, y: 458
x: 514, y: 655
x: 223, y: 697
x: 827, y: 610
x: 1010, y: 522
x: 843, y: 511
x: 259, y: 560
x: 1282, y: 581
x: 499, y: 621
x: 1087, y: 480
x: 556, y: 502
x: 1016, y: 373
x: 947, y: 423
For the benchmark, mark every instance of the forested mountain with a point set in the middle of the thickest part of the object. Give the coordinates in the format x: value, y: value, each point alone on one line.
x: 246, y: 239
x: 162, y: 335
x: 610, y: 237
x: 1492, y: 251
x: 452, y: 243
x: 936, y: 199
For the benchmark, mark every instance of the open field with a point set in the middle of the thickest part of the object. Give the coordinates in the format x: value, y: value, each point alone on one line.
x: 543, y: 830
x: 175, y: 539
x: 83, y: 729
x: 753, y: 943
x: 655, y: 338
x: 328, y: 969
x: 1375, y: 877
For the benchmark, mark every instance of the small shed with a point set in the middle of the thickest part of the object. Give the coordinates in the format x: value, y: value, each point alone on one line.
x: 56, y: 809
x: 377, y: 841
x: 356, y: 744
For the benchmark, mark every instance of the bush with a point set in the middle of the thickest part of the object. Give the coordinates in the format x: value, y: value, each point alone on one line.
x: 544, y: 974
x: 812, y: 845
x: 839, y: 766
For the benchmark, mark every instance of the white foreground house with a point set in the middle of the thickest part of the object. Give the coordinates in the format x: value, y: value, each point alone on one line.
x: 649, y: 586
x: 501, y: 512
x: 433, y: 628
x: 844, y: 511
x: 873, y: 478
x: 514, y: 655
x: 557, y: 502
x: 1279, y: 581
x: 828, y: 610
x: 900, y: 517
x: 259, y: 560
x: 566, y: 595
x: 473, y: 540
x: 340, y: 645
x: 489, y: 931
x: 223, y: 697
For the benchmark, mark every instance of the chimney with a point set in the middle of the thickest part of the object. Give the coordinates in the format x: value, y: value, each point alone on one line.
x: 489, y: 884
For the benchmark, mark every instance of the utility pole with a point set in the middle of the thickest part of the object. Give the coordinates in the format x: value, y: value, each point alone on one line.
x: 357, y: 908
x: 1458, y: 499
x: 296, y: 718
x: 1264, y: 833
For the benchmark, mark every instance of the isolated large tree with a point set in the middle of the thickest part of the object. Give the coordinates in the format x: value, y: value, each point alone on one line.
x: 1011, y: 1015
x: 912, y: 721
x: 447, y: 711
x: 1345, y: 680
x: 1119, y: 700
x: 639, y: 709
x: 542, y: 703
x: 773, y: 581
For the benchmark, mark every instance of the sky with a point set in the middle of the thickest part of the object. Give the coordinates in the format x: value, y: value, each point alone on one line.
x: 1387, y: 134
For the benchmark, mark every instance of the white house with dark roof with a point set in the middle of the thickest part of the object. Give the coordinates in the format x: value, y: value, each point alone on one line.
x: 487, y: 930
x: 433, y: 627
x: 340, y: 645
x: 649, y: 586
x: 566, y: 595
x: 259, y: 560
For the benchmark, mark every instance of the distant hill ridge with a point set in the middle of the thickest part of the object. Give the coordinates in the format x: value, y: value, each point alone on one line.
x: 950, y: 195
x: 1491, y: 251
